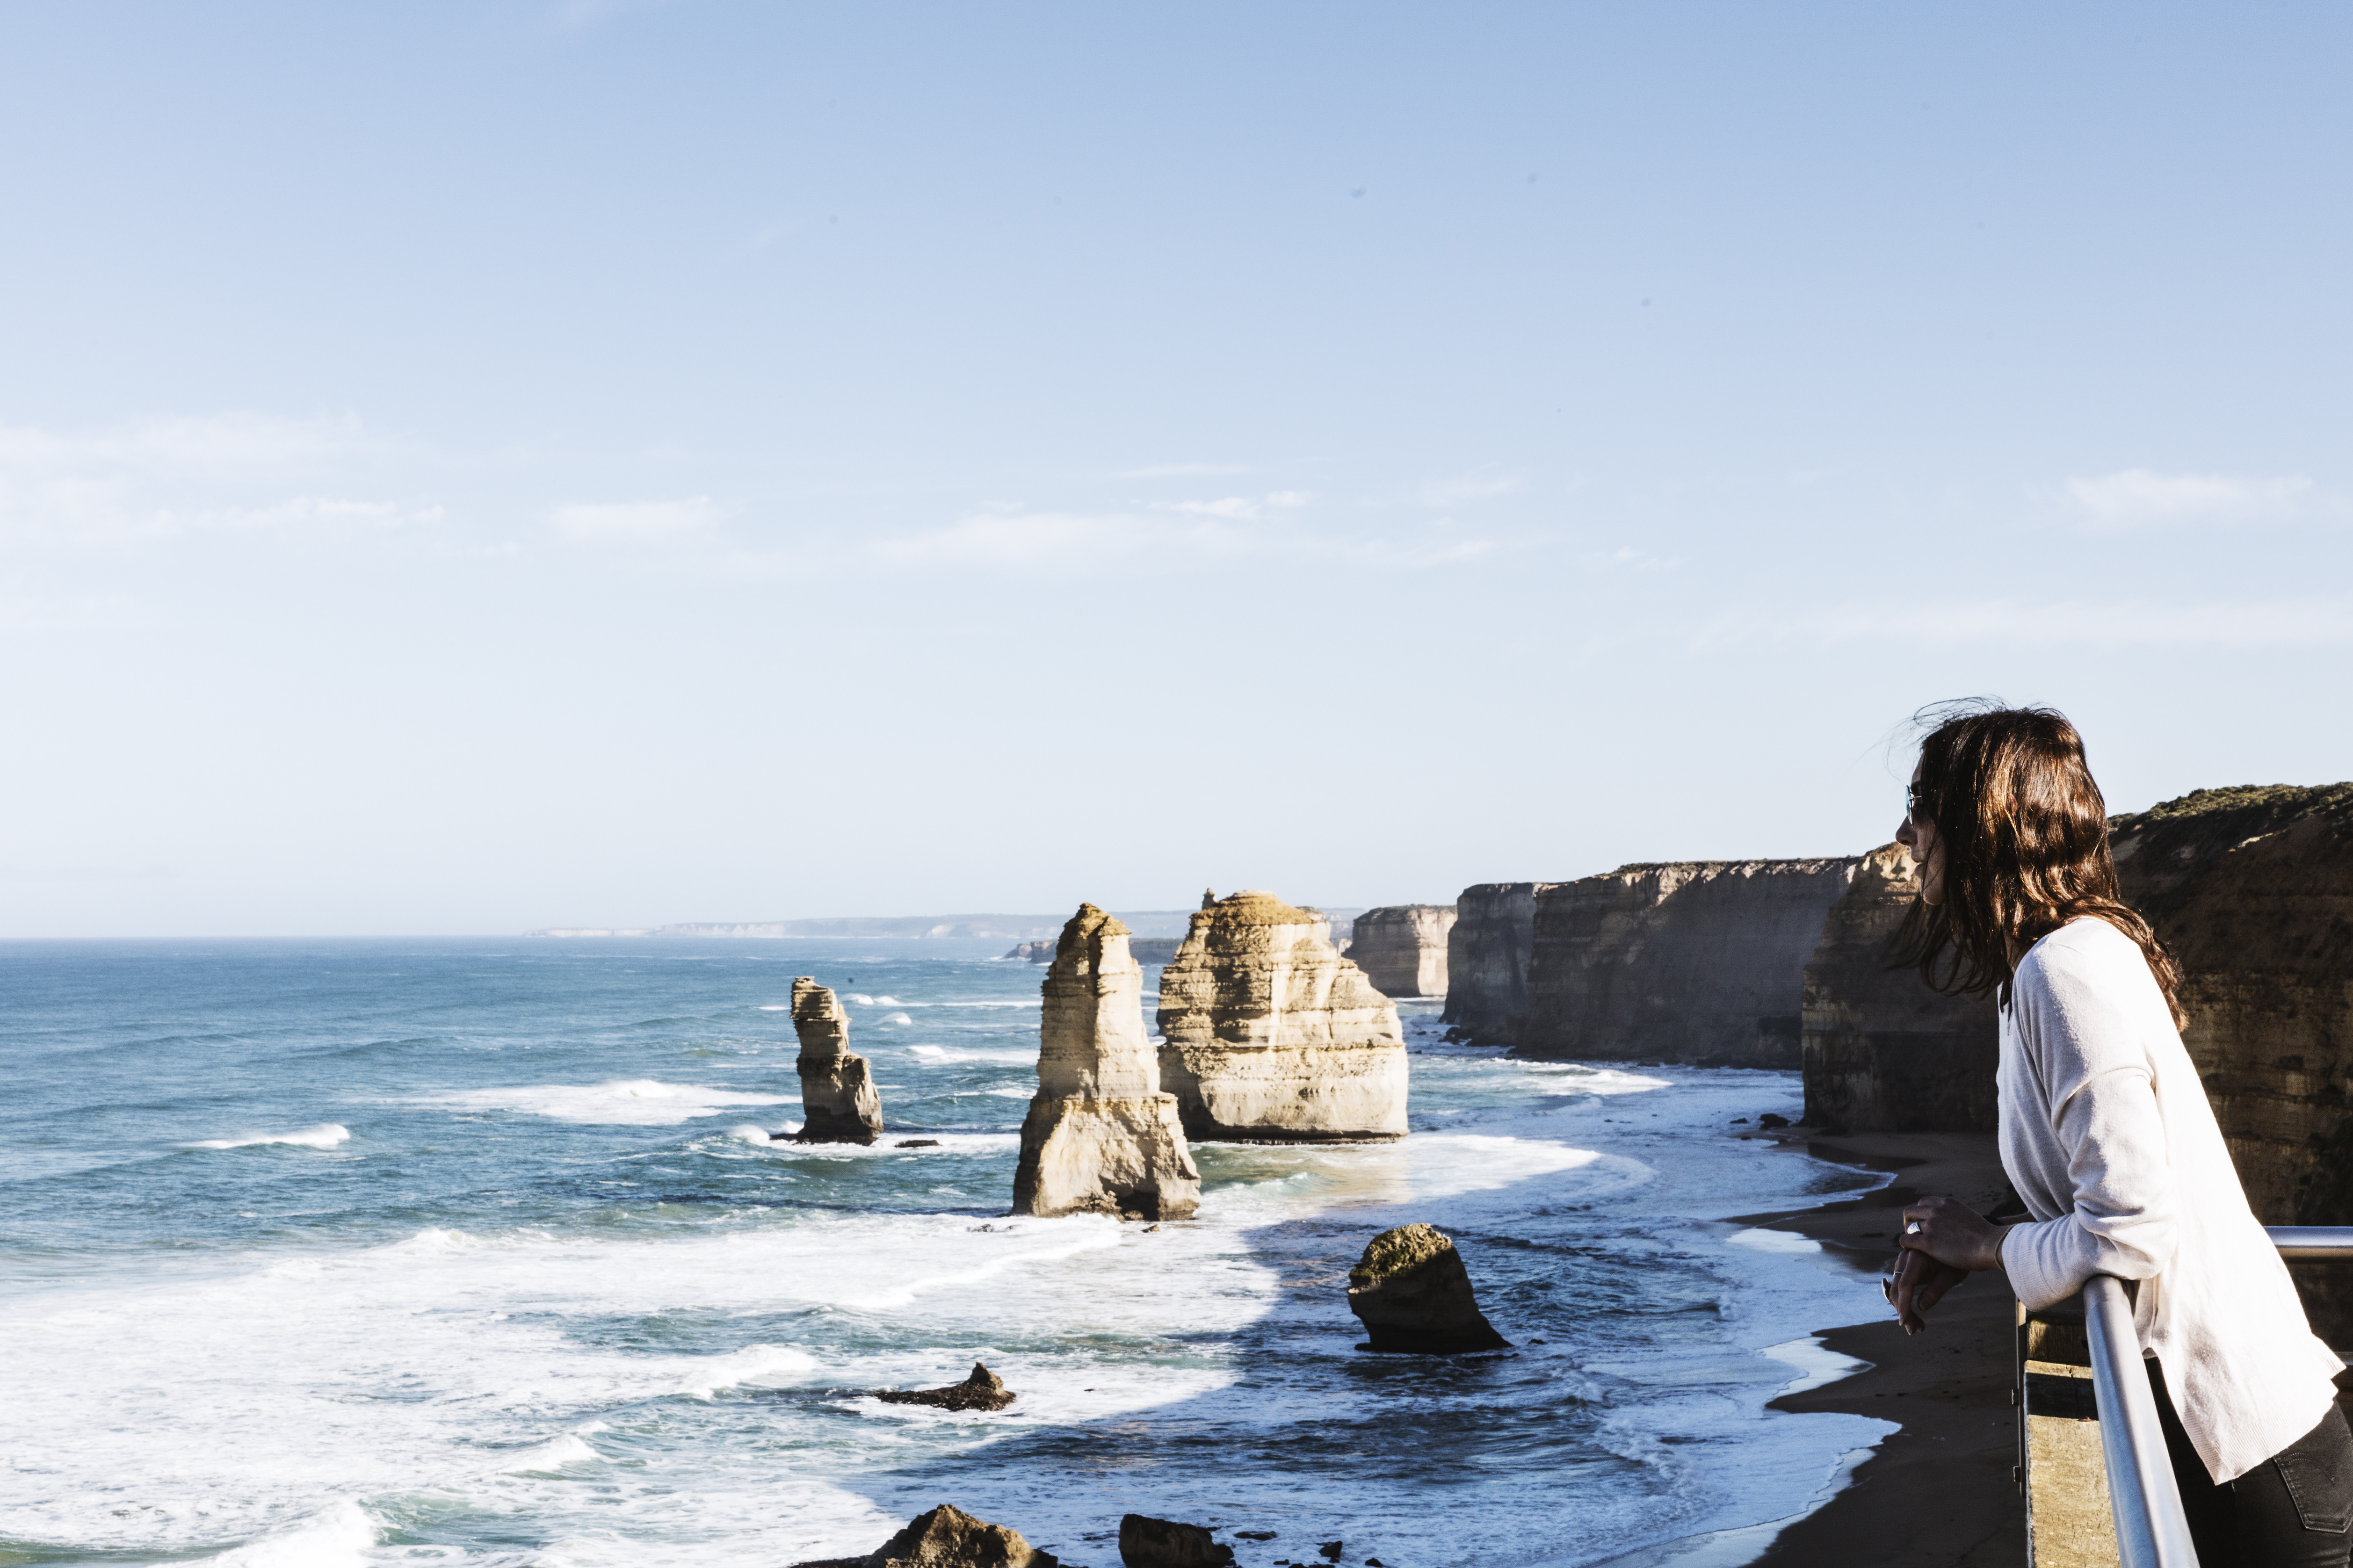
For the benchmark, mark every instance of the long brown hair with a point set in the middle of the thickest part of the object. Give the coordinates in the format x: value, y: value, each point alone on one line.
x: 2025, y: 835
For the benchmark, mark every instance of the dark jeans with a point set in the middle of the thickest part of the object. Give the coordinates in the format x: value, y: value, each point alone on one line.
x: 2290, y: 1512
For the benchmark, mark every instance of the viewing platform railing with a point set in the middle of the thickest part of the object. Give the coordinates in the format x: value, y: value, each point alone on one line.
x: 2151, y: 1530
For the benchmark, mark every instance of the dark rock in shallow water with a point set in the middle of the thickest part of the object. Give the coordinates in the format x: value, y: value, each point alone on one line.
x: 947, y: 1536
x: 1164, y: 1544
x: 1254, y: 1534
x: 916, y: 1143
x: 1330, y: 1550
x: 984, y: 1390
x: 1414, y: 1295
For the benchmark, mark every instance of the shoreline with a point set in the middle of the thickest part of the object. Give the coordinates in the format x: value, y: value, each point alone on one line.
x: 1939, y: 1493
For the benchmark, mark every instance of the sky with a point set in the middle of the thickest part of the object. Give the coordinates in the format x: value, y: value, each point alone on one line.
x: 473, y: 468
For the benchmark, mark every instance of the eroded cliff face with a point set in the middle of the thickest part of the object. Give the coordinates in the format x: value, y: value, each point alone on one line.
x: 838, y: 1104
x: 1700, y: 962
x: 1101, y: 1137
x: 1271, y: 1035
x: 1882, y: 1052
x: 2250, y: 889
x: 1402, y: 947
x: 1487, y: 957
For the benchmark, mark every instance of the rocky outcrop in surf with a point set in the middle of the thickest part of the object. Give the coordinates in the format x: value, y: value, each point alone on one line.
x: 1882, y: 1052
x: 1271, y: 1035
x: 1146, y: 1543
x: 1699, y: 961
x: 1487, y: 958
x: 1413, y: 1294
x: 838, y: 1104
x: 947, y: 1536
x: 984, y: 1390
x: 1402, y: 947
x: 2250, y: 889
x: 1101, y: 1136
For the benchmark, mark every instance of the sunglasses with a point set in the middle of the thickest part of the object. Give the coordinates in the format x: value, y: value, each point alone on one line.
x: 1917, y: 804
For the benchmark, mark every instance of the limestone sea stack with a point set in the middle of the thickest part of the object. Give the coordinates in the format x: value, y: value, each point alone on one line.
x: 1101, y: 1137
x: 838, y: 1104
x: 1402, y: 947
x: 1413, y: 1294
x: 1699, y: 961
x: 1882, y: 1052
x: 1270, y: 1036
x: 1487, y: 953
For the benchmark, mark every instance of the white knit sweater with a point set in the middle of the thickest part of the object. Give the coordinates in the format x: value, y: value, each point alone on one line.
x: 2107, y: 1134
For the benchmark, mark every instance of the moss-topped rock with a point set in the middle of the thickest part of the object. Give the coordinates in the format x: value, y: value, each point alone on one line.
x: 1413, y: 1294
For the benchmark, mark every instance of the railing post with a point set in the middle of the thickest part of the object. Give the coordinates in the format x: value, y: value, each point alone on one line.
x: 2152, y: 1532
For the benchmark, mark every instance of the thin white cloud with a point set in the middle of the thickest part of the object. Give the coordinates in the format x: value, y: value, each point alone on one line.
x: 1110, y: 542
x: 1182, y: 472
x: 213, y: 445
x: 165, y: 477
x: 2125, y: 623
x: 2142, y: 497
x: 636, y: 520
x: 28, y: 614
x: 1239, y: 508
x: 1462, y: 489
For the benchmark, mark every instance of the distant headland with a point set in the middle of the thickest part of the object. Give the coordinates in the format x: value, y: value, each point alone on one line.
x: 1170, y: 923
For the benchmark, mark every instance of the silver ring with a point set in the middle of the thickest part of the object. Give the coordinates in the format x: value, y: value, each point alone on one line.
x: 1912, y: 1229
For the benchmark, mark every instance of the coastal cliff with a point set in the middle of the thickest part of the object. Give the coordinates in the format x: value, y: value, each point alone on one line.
x: 1101, y: 1137
x: 1402, y: 947
x: 839, y: 1103
x: 1882, y: 1052
x: 1700, y: 962
x: 1271, y: 1035
x: 1487, y: 957
x: 2250, y: 889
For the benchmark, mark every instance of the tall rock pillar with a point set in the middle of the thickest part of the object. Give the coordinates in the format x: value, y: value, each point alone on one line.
x: 1270, y: 1036
x: 1101, y: 1137
x: 838, y: 1104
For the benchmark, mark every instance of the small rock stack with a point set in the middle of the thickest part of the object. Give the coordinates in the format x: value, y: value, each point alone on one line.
x: 838, y: 1104
x: 1101, y: 1137
x: 1414, y: 1295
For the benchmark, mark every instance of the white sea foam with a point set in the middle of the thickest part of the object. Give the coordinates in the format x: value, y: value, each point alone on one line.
x: 1773, y: 1241
x: 553, y: 1455
x: 327, y: 1135
x: 943, y: 1055
x: 754, y: 1367
x: 775, y: 1006
x: 894, y: 1018
x: 629, y: 1102
x: 339, y: 1533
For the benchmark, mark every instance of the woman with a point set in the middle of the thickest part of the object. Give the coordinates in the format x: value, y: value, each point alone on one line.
x: 2107, y: 1134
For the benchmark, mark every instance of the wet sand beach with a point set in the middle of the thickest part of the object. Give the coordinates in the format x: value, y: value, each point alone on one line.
x: 1940, y: 1492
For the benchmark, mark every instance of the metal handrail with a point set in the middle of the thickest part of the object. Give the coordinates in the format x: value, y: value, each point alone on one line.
x: 2152, y: 1532
x: 2312, y: 1240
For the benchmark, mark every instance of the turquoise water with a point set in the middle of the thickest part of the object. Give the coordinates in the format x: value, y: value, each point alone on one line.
x: 477, y: 1252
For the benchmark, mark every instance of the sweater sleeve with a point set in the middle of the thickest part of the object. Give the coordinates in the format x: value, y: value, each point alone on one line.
x: 2075, y: 1025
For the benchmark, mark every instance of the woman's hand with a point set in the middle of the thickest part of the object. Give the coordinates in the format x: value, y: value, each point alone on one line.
x: 1952, y: 1233
x: 1943, y: 1242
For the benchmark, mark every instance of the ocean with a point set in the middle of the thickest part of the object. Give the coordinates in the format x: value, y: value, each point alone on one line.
x: 329, y: 1253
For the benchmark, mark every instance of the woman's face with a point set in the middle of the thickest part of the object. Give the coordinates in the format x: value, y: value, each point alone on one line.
x: 1919, y: 837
